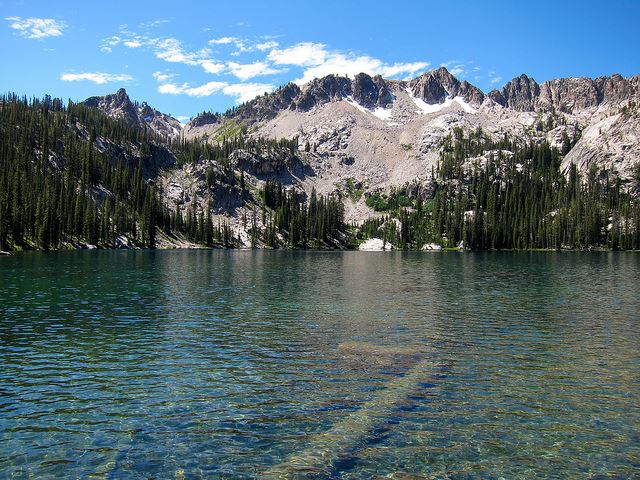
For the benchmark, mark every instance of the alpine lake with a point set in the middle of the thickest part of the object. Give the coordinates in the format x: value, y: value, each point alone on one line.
x: 193, y: 364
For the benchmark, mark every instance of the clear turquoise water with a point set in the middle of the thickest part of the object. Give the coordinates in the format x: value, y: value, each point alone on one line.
x: 232, y: 364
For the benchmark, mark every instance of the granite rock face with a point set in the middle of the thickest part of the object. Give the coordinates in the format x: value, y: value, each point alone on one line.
x: 569, y: 95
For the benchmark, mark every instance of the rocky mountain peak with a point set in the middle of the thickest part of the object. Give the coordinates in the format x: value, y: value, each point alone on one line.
x: 266, y: 106
x: 437, y: 85
x: 322, y: 90
x: 518, y: 94
x: 118, y: 105
x: 121, y: 95
x: 371, y: 92
x: 572, y: 94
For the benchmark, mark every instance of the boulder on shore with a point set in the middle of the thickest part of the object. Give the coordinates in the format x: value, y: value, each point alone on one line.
x: 375, y: 245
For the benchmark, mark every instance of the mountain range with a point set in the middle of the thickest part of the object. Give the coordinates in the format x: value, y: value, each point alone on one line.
x: 381, y: 134
x: 329, y: 164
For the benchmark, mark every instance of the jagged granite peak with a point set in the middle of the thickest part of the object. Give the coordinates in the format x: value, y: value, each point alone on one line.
x: 266, y: 106
x: 119, y: 105
x: 437, y: 85
x: 322, y: 90
x: 615, y: 89
x: 518, y: 94
x: 569, y: 95
x: 116, y: 105
x: 371, y: 92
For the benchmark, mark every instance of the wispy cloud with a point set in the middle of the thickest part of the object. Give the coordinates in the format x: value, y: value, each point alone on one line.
x: 241, y: 45
x: 242, y: 91
x: 250, y: 70
x: 494, y: 78
x: 168, y: 48
x: 213, y: 67
x: 223, y: 40
x: 305, y: 54
x: 201, y: 91
x: 96, y: 77
x: 153, y: 24
x: 268, y: 45
x: 163, y: 76
x: 456, y: 68
x: 318, y: 61
x: 171, y: 50
x: 37, y: 28
x: 247, y: 91
x: 310, y: 60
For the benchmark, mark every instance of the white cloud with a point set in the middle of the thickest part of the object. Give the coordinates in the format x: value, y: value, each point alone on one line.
x: 202, y: 91
x: 341, y: 64
x: 396, y: 69
x: 495, y: 79
x: 36, y: 28
x: 303, y: 54
x: 242, y: 91
x: 455, y: 67
x: 250, y: 70
x: 170, y: 50
x: 135, y: 43
x: 457, y: 71
x: 247, y: 91
x: 320, y: 62
x: 163, y: 77
x: 223, y: 40
x: 172, y: 88
x: 153, y: 24
x: 110, y: 42
x: 96, y: 77
x: 207, y: 89
x: 212, y: 67
x: 268, y: 45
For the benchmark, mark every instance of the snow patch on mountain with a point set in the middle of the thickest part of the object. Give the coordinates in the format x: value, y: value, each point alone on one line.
x: 426, y: 108
x: 379, y: 112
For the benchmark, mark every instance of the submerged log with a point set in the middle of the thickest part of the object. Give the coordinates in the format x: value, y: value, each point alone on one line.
x: 350, y: 434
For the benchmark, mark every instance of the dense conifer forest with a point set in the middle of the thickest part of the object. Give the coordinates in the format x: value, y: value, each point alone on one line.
x: 500, y: 195
x: 59, y: 190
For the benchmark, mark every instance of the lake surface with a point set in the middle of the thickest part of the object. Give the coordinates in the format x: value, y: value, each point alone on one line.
x: 244, y: 364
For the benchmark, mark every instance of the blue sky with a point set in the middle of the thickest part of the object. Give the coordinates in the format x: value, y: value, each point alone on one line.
x: 187, y: 57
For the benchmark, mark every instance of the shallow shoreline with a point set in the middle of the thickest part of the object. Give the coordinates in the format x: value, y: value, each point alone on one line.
x: 443, y: 250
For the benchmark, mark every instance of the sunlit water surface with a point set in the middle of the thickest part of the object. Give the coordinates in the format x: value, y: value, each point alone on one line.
x: 208, y: 364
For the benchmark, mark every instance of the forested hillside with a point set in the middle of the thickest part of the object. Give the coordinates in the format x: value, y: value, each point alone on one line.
x: 505, y: 195
x: 71, y: 177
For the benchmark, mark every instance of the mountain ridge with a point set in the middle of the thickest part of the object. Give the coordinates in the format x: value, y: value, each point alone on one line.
x: 434, y: 87
x: 383, y: 134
